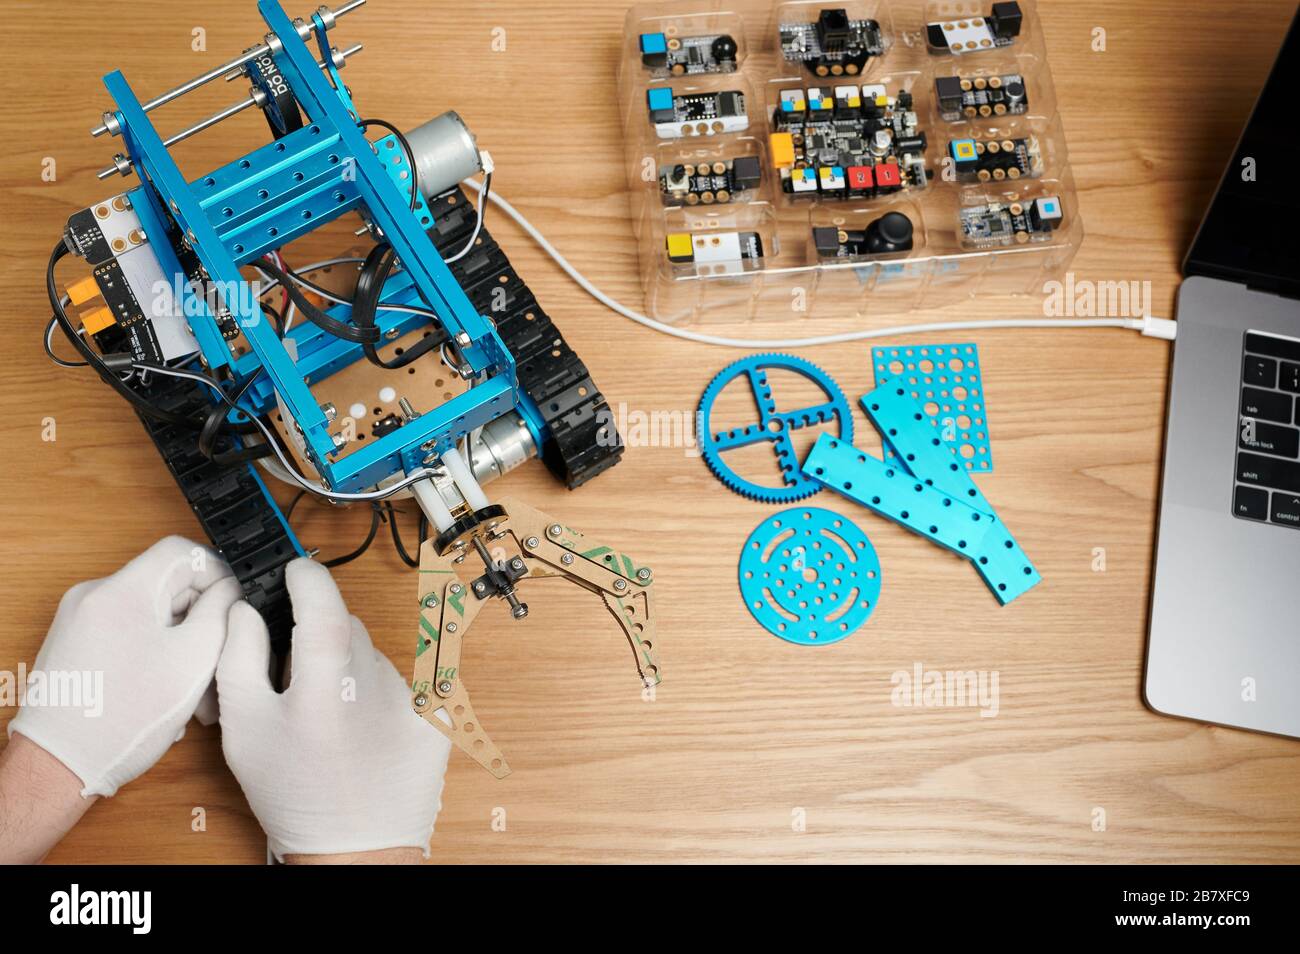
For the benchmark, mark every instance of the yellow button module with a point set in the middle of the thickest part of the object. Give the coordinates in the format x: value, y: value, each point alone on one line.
x: 680, y: 248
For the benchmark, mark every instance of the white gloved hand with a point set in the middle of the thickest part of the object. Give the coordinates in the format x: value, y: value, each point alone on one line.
x: 148, y: 638
x: 338, y: 762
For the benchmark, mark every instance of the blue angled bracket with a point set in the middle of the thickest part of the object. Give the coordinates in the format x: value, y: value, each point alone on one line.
x: 926, y: 490
x: 275, y: 194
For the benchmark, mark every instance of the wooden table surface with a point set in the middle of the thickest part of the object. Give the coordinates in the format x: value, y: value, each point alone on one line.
x: 747, y: 734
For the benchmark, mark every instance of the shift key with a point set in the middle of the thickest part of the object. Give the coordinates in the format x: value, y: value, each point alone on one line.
x: 1268, y: 471
x: 1266, y: 405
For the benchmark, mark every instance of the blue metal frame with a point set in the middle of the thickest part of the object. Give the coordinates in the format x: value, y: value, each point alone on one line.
x: 281, y: 191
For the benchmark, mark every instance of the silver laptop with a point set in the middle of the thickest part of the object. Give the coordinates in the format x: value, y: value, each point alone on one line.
x: 1224, y: 642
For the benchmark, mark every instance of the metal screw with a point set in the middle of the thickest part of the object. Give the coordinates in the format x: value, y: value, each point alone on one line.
x: 479, y: 587
x: 643, y: 573
x: 554, y: 530
x: 532, y: 543
x: 392, y: 333
x: 444, y: 686
x: 452, y: 627
x: 463, y: 339
x: 620, y: 584
x: 516, y: 564
x: 455, y: 589
x: 330, y: 411
x: 567, y: 559
x: 431, y: 600
x: 421, y: 701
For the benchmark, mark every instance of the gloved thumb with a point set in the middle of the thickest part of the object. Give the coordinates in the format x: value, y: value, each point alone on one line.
x: 246, y: 660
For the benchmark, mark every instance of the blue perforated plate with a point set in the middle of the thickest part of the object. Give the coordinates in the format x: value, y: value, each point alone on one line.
x: 809, y: 576
x: 945, y: 379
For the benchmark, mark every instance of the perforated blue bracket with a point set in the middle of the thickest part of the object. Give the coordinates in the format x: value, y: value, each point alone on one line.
x: 902, y: 421
x: 946, y: 380
x: 940, y: 517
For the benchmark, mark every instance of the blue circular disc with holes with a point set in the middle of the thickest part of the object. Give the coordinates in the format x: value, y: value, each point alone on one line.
x: 809, y: 576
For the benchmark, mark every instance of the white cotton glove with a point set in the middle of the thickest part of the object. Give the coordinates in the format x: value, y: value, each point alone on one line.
x: 141, y: 647
x: 338, y: 762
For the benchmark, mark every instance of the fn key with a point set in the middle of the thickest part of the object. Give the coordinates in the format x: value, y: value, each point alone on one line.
x: 1250, y: 502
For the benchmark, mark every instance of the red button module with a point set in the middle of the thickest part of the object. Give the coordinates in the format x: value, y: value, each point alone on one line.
x: 859, y: 177
x: 888, y: 176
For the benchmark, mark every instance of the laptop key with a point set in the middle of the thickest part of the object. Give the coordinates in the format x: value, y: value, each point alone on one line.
x: 1286, y: 509
x: 1250, y: 502
x: 1266, y: 405
x: 1290, y: 380
x: 1261, y: 371
x: 1269, y: 471
x: 1288, y: 348
x: 1270, y: 439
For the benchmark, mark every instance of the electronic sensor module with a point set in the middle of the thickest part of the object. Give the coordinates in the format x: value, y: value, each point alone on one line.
x: 1002, y: 224
x: 665, y: 55
x: 834, y: 45
x: 980, y: 97
x: 977, y: 160
x: 705, y: 183
x: 999, y: 28
x: 847, y: 142
x: 695, y: 114
x: 731, y: 250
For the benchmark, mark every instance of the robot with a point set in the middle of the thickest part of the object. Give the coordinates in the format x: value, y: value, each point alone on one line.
x: 174, y: 317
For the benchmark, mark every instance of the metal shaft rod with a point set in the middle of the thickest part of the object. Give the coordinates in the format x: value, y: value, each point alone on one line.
x: 221, y: 70
x: 216, y: 118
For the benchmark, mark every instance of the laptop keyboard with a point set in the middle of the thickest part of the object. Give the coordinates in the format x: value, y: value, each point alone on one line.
x: 1268, y: 443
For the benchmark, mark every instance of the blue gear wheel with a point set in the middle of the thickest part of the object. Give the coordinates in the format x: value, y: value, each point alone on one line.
x: 809, y: 576
x: 772, y: 426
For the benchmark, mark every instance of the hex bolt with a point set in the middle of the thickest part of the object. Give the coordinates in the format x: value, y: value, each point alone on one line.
x: 421, y: 701
x: 455, y: 589
x: 643, y: 574
x: 479, y: 587
x: 452, y: 627
x: 554, y: 530
x: 463, y: 339
x: 516, y: 564
x: 532, y: 543
x: 567, y: 559
x: 620, y: 584
x: 444, y: 686
x: 431, y: 600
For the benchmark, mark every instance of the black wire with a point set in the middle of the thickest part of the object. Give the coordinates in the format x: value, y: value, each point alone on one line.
x: 403, y: 555
x: 406, y: 148
x: 45, y: 340
x: 365, y: 306
x: 217, y: 423
x: 338, y: 329
x: 375, y: 511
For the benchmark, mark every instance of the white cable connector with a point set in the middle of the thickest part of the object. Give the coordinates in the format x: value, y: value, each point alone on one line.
x: 485, y: 160
x: 1151, y: 327
x: 1165, y: 328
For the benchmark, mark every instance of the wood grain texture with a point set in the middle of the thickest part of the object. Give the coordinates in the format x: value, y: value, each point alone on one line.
x: 745, y: 728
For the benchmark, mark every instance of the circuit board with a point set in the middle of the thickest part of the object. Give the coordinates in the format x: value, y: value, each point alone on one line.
x: 834, y: 45
x: 847, y: 142
x: 980, y: 97
x: 707, y: 183
x: 731, y: 250
x: 696, y: 114
x: 975, y: 34
x: 1002, y: 224
x: 665, y: 55
x: 978, y: 160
